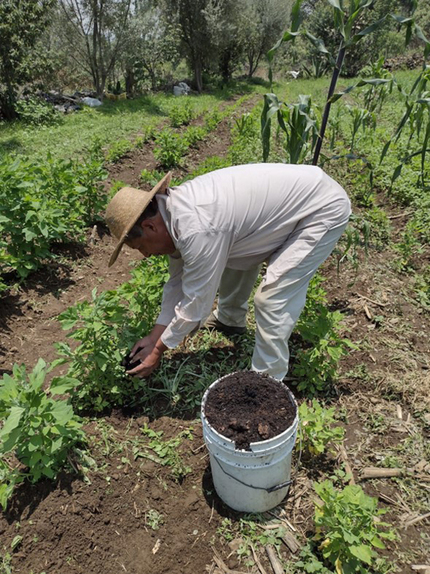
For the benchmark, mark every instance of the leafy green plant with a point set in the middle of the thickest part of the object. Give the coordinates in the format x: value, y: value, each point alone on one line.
x: 212, y: 119
x: 106, y: 327
x: 34, y: 111
x: 46, y: 202
x: 180, y: 115
x: 317, y: 357
x: 169, y: 148
x: 166, y: 452
x: 299, y: 123
x: 348, y: 527
x: 361, y: 118
x: 408, y: 251
x: 194, y: 134
x: 118, y: 150
x: 318, y: 427
x: 37, y: 428
x: 154, y: 519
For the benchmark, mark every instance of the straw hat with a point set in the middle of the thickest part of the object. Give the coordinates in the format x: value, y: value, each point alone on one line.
x: 126, y: 207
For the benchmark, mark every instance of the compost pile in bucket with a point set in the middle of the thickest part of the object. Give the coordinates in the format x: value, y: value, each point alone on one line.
x: 249, y: 407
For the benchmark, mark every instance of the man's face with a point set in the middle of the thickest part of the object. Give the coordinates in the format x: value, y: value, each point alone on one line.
x: 154, y: 240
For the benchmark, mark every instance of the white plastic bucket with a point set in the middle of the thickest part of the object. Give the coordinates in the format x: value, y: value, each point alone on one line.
x: 253, y: 480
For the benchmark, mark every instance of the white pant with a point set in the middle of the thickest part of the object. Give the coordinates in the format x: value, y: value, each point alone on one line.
x: 278, y: 304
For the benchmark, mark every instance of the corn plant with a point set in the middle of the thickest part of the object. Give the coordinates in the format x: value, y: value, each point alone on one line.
x: 375, y: 95
x: 299, y: 123
x: 361, y: 118
x: 39, y: 429
x: 348, y: 528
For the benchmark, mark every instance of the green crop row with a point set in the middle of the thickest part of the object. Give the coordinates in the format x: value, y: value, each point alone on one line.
x: 46, y: 203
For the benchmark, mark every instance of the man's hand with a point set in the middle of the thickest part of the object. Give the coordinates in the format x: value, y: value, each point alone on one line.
x: 149, y: 351
x: 147, y: 365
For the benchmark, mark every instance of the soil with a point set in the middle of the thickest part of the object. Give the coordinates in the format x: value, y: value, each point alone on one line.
x: 126, y: 512
x: 249, y: 407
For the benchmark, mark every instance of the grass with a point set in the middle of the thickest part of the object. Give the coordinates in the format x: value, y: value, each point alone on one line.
x: 108, y: 123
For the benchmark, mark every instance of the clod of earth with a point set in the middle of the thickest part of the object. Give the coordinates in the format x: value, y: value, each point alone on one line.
x: 128, y: 363
x: 249, y: 407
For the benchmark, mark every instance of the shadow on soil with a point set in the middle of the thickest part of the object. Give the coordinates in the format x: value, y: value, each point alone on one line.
x: 27, y: 497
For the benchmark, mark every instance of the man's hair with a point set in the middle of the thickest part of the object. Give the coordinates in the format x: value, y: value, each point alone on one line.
x: 150, y: 211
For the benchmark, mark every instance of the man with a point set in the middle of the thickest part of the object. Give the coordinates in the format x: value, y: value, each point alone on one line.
x: 217, y: 230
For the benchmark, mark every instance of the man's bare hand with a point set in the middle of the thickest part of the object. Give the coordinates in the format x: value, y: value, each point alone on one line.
x: 147, y: 365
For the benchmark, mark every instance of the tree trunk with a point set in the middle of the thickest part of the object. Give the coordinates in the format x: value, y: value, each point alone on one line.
x: 198, y: 74
x: 7, y: 103
x: 129, y: 81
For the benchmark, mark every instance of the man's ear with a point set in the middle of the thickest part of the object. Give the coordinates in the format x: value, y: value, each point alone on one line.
x: 148, y: 225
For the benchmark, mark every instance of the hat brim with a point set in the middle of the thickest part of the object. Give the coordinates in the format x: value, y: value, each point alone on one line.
x: 161, y: 187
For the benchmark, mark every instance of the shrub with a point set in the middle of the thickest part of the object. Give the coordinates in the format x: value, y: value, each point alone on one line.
x: 169, y: 148
x: 106, y: 328
x: 348, y: 526
x: 38, y: 429
x: 46, y: 202
x: 35, y: 111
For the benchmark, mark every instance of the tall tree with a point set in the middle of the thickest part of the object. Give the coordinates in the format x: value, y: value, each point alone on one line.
x: 264, y: 21
x: 21, y: 56
x: 95, y: 31
x: 194, y: 33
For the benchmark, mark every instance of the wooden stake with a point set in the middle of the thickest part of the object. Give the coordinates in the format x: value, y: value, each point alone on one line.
x: 276, y: 565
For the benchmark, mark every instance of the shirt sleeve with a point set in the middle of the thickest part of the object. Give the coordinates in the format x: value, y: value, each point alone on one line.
x: 205, y: 256
x: 172, y: 291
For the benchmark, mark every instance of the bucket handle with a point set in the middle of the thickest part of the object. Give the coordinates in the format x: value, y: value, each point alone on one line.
x: 272, y: 488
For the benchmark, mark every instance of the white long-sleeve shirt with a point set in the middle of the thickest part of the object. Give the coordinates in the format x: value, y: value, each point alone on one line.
x: 237, y: 217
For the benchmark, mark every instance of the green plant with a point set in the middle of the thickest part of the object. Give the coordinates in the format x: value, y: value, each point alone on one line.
x: 194, y: 134
x: 38, y: 429
x: 35, y: 111
x: 169, y: 148
x: 118, y: 150
x: 180, y: 115
x: 318, y: 427
x: 151, y: 177
x: 348, y: 527
x: 299, y: 123
x: 154, y: 519
x: 46, y: 202
x: 317, y: 358
x: 106, y: 327
x: 408, y: 250
x: 212, y: 119
x: 166, y: 452
x: 361, y: 118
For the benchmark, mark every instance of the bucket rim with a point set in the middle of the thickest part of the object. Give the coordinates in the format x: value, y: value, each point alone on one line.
x: 205, y: 421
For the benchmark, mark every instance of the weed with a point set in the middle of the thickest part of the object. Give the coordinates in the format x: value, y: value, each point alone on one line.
x: 106, y: 327
x: 180, y: 115
x: 317, y: 358
x: 194, y: 134
x: 348, y: 527
x: 165, y: 452
x: 154, y: 519
x: 318, y: 427
x: 118, y: 150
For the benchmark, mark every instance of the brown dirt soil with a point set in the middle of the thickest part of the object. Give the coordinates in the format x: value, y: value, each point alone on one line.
x: 127, y: 513
x: 249, y: 407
